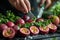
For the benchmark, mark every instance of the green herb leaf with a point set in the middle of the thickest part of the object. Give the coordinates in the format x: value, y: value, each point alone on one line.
x: 27, y: 25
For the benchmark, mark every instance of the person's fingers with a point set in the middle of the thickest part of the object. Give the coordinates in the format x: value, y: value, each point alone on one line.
x: 19, y: 7
x: 12, y: 2
x: 28, y: 4
x: 48, y: 3
x: 41, y: 2
x: 22, y: 3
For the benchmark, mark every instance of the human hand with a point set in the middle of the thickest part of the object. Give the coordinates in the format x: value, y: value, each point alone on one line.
x: 48, y: 3
x: 21, y: 5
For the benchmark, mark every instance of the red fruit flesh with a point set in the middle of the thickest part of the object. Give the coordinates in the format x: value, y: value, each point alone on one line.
x: 44, y: 30
x: 52, y: 27
x: 34, y: 30
x: 3, y: 26
x: 24, y: 32
x: 40, y: 19
x: 25, y: 17
x: 10, y: 24
x: 20, y: 21
x: 9, y: 32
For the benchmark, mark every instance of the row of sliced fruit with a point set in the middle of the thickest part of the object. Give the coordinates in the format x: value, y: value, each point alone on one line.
x: 10, y: 29
x: 26, y: 26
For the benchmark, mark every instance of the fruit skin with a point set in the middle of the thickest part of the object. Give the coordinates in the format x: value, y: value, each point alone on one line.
x: 16, y: 28
x: 31, y: 30
x: 20, y: 21
x: 25, y: 17
x: 52, y: 29
x: 55, y: 20
x: 29, y: 21
x: 7, y: 35
x: 40, y: 19
x: 3, y: 26
x: 59, y: 19
x: 10, y: 24
x: 24, y: 34
x: 44, y: 31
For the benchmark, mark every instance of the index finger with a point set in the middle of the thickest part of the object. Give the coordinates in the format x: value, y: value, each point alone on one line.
x: 28, y: 4
x: 24, y: 5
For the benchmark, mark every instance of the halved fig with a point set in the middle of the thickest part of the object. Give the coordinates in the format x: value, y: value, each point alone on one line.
x: 34, y: 30
x: 44, y: 30
x: 24, y: 32
x: 52, y: 27
x: 9, y: 33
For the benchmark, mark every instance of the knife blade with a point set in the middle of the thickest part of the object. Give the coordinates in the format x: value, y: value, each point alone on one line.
x: 30, y: 14
x: 40, y: 10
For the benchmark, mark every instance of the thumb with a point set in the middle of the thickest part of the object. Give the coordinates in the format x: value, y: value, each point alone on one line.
x: 48, y: 3
x: 41, y: 3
